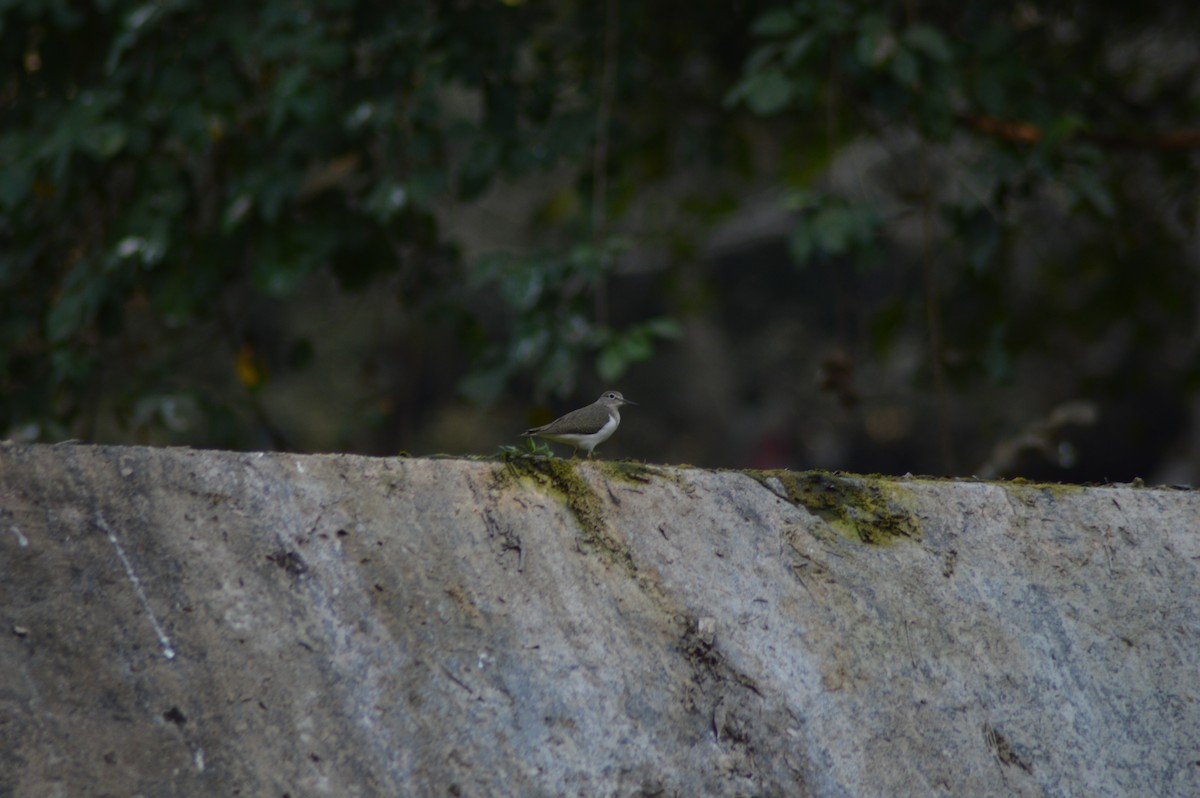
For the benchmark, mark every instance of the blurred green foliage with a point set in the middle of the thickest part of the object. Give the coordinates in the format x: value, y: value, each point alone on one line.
x: 163, y: 164
x: 1044, y: 90
x: 1040, y: 154
x: 167, y: 169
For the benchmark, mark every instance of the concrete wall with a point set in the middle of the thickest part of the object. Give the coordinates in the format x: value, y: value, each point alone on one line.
x: 177, y: 622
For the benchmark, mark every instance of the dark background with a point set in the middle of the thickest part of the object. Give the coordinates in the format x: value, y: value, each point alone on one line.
x: 910, y: 237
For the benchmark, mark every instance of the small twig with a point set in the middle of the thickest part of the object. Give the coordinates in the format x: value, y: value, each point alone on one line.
x: 933, y: 318
x: 1022, y: 132
x: 608, y: 80
x: 455, y: 679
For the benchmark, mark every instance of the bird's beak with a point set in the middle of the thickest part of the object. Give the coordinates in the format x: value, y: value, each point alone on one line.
x: 630, y: 402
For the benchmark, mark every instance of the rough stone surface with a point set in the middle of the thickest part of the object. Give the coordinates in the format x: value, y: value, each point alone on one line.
x: 177, y: 622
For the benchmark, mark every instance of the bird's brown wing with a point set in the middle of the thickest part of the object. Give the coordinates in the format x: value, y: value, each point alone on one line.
x: 574, y: 423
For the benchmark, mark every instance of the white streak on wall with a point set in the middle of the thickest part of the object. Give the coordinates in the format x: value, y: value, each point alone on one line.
x: 163, y: 640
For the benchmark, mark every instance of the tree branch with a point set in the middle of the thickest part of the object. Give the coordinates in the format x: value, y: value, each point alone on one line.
x: 1028, y: 133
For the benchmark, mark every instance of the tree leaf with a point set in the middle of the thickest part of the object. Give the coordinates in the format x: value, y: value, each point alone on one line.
x: 905, y: 69
x: 928, y: 40
x: 766, y: 92
x: 776, y: 22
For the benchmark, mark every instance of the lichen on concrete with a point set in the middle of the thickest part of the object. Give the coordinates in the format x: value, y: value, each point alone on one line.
x: 563, y: 478
x: 1035, y: 493
x: 632, y: 471
x: 870, y: 510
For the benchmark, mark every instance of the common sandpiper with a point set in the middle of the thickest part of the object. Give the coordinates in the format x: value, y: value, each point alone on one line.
x: 587, y: 427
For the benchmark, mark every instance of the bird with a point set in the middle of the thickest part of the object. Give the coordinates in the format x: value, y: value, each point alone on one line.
x: 587, y: 427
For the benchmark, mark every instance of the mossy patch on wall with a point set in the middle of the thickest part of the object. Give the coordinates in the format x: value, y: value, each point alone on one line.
x: 562, y: 477
x: 1031, y: 494
x: 631, y: 471
x: 596, y: 533
x: 866, y: 509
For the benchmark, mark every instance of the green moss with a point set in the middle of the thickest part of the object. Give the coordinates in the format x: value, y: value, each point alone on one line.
x: 562, y: 477
x: 867, y: 509
x: 1030, y: 492
x: 1034, y: 495
x: 631, y: 472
